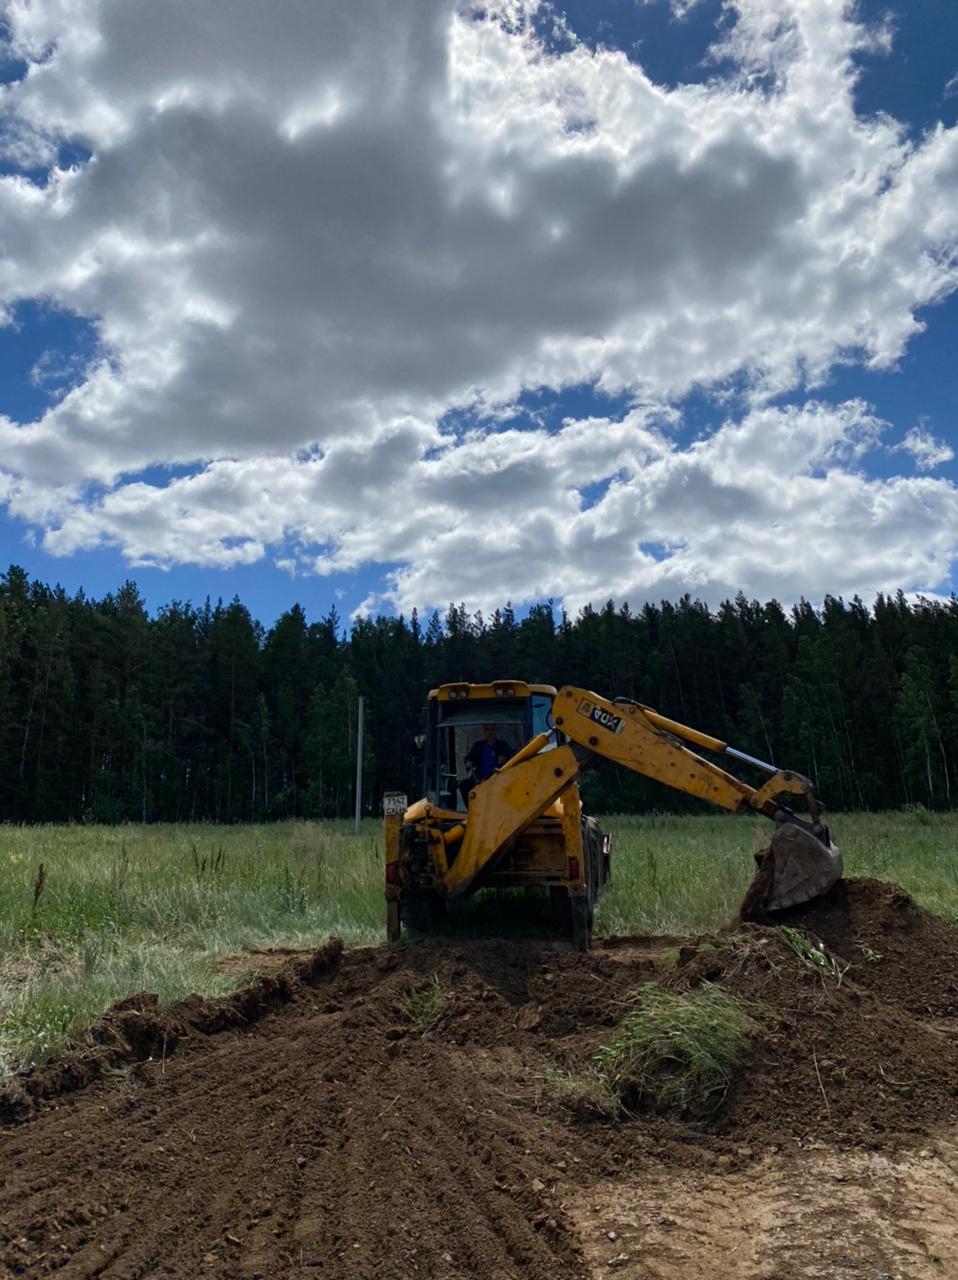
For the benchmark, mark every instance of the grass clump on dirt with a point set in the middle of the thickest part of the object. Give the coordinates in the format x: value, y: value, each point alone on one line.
x: 676, y: 1050
x: 584, y: 1093
x: 812, y: 953
x: 424, y: 1007
x: 672, y: 1051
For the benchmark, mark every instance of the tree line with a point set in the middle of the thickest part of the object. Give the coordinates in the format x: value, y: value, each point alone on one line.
x: 109, y: 713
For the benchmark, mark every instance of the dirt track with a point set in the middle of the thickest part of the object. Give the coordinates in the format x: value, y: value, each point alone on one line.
x: 310, y: 1127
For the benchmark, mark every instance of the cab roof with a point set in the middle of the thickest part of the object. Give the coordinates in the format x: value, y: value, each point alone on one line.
x: 459, y: 689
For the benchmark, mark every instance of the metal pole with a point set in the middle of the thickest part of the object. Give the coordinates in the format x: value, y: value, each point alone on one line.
x: 359, y: 762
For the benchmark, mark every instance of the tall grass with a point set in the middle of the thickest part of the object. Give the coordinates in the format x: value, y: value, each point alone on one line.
x: 123, y: 909
x: 689, y: 874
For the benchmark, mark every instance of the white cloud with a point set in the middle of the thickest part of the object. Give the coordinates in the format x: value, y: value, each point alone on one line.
x: 680, y: 8
x: 773, y: 501
x: 307, y: 236
x: 927, y: 450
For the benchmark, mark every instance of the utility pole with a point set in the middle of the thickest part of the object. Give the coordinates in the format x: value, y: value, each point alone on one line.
x: 359, y: 762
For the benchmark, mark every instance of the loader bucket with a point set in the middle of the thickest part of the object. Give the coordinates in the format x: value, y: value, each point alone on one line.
x: 799, y: 864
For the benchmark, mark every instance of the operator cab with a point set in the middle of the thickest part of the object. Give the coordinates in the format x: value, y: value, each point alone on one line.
x: 458, y: 716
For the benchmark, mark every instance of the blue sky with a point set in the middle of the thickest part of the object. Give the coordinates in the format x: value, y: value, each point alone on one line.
x: 417, y: 305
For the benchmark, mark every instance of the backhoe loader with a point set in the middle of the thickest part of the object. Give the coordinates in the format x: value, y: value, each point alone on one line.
x: 502, y: 806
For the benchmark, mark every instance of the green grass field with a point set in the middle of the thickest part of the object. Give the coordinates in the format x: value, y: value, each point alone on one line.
x: 124, y: 909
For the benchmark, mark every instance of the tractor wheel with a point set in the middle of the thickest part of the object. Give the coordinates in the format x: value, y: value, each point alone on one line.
x: 592, y: 853
x: 422, y: 911
x: 559, y: 908
x: 393, y: 921
x: 571, y: 915
x: 581, y: 923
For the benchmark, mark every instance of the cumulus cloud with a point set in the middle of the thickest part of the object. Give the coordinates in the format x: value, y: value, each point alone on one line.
x: 773, y: 498
x: 310, y: 236
x: 927, y: 450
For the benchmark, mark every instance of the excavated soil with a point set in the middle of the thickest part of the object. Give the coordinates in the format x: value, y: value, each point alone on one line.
x: 388, y: 1113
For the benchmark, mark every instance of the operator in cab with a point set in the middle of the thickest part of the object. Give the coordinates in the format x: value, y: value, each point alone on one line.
x: 484, y: 757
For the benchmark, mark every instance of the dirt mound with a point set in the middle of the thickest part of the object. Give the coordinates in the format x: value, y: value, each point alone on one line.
x: 830, y: 1060
x: 390, y: 1112
x: 135, y: 1029
x: 894, y: 947
x: 357, y: 1131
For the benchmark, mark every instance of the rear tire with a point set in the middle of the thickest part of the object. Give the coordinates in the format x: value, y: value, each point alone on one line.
x: 592, y: 852
x: 582, y: 908
x: 559, y: 907
x: 423, y: 910
x: 581, y: 923
x: 575, y: 913
x: 393, y: 921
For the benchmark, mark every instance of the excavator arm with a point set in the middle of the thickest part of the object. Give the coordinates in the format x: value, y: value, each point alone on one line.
x: 799, y: 864
x: 651, y: 744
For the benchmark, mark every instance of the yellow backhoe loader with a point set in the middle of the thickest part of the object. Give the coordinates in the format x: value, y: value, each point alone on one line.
x: 502, y: 806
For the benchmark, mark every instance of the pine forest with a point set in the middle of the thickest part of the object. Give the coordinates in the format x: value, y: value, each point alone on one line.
x: 110, y: 714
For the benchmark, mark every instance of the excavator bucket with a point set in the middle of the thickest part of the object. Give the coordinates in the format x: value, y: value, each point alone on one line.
x: 799, y: 864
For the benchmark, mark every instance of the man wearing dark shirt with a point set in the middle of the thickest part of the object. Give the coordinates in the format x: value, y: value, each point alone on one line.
x: 484, y: 757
